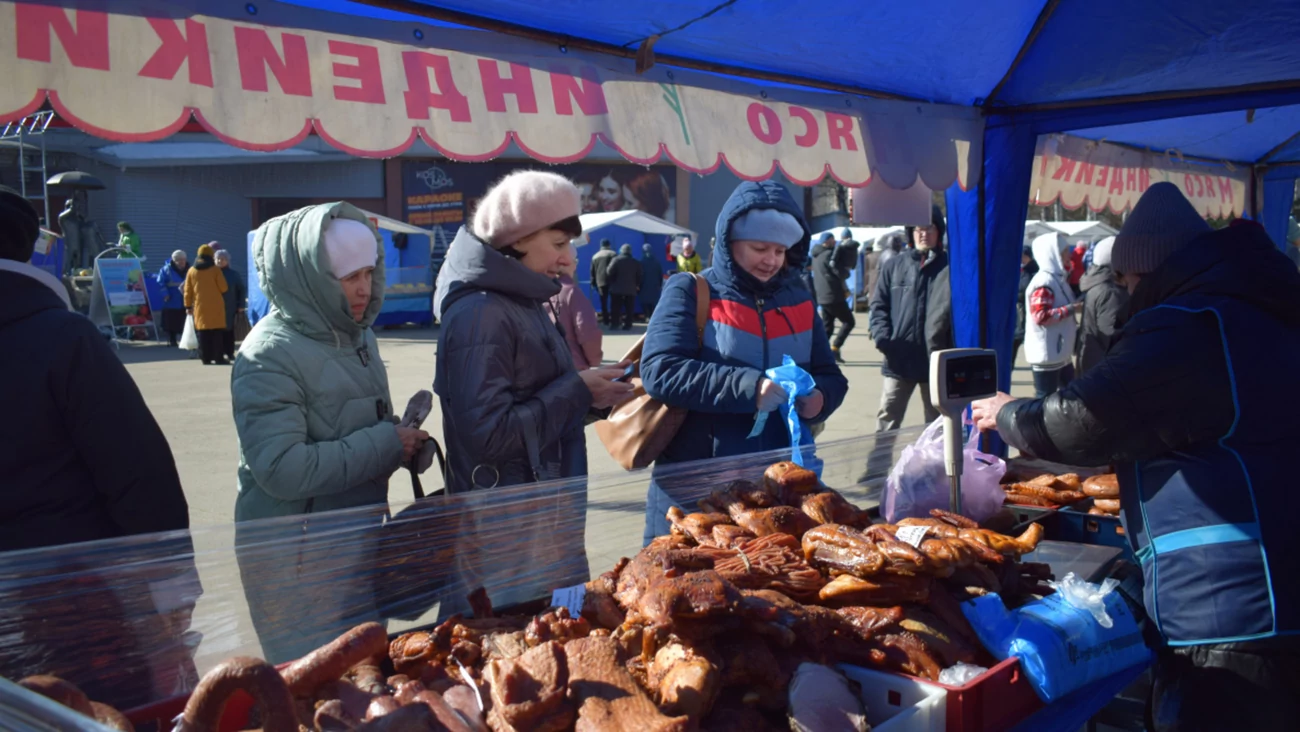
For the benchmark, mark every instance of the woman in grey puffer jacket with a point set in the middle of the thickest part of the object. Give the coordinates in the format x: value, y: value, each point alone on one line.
x: 513, y: 405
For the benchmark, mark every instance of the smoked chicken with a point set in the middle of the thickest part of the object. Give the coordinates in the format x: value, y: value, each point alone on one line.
x: 885, y: 590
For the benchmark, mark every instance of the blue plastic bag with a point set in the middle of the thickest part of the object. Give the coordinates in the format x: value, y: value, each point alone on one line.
x: 797, y: 383
x: 1065, y: 641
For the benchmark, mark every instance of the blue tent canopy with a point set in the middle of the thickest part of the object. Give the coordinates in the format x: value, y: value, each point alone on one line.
x: 1167, y: 75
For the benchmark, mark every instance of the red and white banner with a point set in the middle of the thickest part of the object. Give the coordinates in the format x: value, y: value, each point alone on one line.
x: 1105, y: 176
x: 264, y: 75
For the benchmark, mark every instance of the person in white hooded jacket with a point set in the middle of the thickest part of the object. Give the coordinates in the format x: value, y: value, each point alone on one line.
x: 1050, y: 328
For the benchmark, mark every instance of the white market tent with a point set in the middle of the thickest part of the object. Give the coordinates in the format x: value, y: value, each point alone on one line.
x: 638, y: 221
x: 1090, y: 231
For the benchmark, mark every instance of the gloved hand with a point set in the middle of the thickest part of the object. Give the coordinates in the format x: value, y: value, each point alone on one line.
x: 771, y: 396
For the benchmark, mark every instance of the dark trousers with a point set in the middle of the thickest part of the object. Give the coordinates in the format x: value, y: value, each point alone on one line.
x: 838, y: 310
x: 622, y: 308
x: 210, y: 345
x: 228, y: 343
x: 604, y: 303
x: 1050, y: 382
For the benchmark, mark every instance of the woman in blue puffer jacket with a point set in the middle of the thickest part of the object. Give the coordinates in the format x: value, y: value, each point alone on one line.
x: 759, y: 311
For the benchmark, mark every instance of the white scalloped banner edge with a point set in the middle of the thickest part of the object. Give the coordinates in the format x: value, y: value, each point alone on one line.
x: 133, y: 76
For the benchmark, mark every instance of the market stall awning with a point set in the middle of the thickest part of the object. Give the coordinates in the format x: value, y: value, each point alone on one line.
x: 264, y: 76
x: 632, y: 219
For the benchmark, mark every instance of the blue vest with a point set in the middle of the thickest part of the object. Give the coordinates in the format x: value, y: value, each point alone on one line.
x: 1215, y: 527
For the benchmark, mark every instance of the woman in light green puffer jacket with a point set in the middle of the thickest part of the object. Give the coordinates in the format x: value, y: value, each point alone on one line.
x: 316, y: 431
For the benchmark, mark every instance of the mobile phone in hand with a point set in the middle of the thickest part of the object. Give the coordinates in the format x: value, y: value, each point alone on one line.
x: 628, y: 372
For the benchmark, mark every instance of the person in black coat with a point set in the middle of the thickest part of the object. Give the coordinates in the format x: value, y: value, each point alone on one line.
x: 1190, y: 408
x: 1028, y: 268
x: 1105, y: 305
x: 83, y: 460
x: 832, y: 295
x: 624, y: 284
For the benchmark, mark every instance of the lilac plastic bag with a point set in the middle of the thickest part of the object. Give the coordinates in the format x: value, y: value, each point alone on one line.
x: 918, y: 482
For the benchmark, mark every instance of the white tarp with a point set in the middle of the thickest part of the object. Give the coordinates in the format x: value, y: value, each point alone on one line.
x: 265, y: 79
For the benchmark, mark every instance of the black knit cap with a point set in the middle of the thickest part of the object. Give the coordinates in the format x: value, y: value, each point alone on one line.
x: 19, y: 226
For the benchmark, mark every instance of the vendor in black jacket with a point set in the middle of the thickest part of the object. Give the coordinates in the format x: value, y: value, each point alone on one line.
x: 1194, y: 406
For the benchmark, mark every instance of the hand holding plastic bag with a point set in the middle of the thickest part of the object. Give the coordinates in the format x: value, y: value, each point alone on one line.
x: 795, y: 382
x: 918, y: 482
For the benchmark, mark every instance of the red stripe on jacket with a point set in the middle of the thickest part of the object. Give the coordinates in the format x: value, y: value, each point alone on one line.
x: 745, y: 318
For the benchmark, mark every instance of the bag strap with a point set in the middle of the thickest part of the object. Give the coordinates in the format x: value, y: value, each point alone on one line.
x: 702, y: 305
x: 702, y: 301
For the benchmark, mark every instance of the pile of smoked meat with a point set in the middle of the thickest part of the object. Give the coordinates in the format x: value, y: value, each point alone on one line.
x: 1027, y: 487
x: 732, y: 622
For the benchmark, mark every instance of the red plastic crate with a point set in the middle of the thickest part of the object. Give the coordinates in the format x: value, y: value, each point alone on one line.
x: 997, y: 700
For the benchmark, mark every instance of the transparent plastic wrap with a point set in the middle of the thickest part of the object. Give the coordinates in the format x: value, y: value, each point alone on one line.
x: 129, y: 621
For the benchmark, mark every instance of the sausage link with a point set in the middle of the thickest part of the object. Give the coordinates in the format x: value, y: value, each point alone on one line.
x: 252, y: 675
x: 331, y: 661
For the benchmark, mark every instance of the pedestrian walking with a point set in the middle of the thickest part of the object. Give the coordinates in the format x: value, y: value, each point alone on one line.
x: 205, y: 288
x: 1028, y: 268
x: 652, y: 281
x: 171, y: 277
x: 235, y: 299
x: 832, y: 294
x: 1050, y: 325
x: 624, y: 282
x: 600, y: 276
x: 689, y: 260
x: 1105, y: 308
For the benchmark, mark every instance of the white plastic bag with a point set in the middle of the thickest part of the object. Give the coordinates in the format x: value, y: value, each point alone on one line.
x: 918, y: 482
x: 190, y: 338
x: 1087, y: 596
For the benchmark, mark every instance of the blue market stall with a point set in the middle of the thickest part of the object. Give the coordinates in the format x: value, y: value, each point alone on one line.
x: 408, y: 274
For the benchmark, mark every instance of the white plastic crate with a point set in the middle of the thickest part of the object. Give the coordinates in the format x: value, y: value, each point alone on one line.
x: 898, y: 703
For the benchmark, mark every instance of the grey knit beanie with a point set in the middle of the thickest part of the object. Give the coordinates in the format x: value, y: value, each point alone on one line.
x: 1162, y: 222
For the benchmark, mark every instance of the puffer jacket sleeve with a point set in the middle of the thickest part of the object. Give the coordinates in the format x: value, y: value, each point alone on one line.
x: 672, y: 370
x: 1145, y: 399
x: 832, y: 383
x: 480, y: 371
x: 271, y: 420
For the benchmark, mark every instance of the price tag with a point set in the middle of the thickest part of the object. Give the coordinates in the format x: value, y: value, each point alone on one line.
x: 913, y: 535
x: 570, y: 597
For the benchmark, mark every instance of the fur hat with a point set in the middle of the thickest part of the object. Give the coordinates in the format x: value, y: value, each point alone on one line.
x: 526, y: 202
x: 350, y: 246
x: 767, y: 224
x: 20, y: 226
x: 1162, y: 222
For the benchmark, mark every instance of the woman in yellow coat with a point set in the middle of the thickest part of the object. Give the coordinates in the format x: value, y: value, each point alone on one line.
x: 204, y: 286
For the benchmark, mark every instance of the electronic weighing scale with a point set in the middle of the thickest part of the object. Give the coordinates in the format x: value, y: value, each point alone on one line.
x: 959, y: 376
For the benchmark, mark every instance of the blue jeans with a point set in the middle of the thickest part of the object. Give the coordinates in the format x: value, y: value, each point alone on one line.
x: 657, y: 504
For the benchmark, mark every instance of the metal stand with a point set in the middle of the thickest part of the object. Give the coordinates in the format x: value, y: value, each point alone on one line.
x: 33, y: 125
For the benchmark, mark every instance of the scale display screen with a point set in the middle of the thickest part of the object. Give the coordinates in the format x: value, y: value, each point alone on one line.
x: 972, y: 377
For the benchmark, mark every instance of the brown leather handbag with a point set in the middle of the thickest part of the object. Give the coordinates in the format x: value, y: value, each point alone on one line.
x: 639, y: 430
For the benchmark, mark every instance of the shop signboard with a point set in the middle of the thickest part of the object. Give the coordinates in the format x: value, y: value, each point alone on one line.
x: 264, y: 76
x: 1105, y: 176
